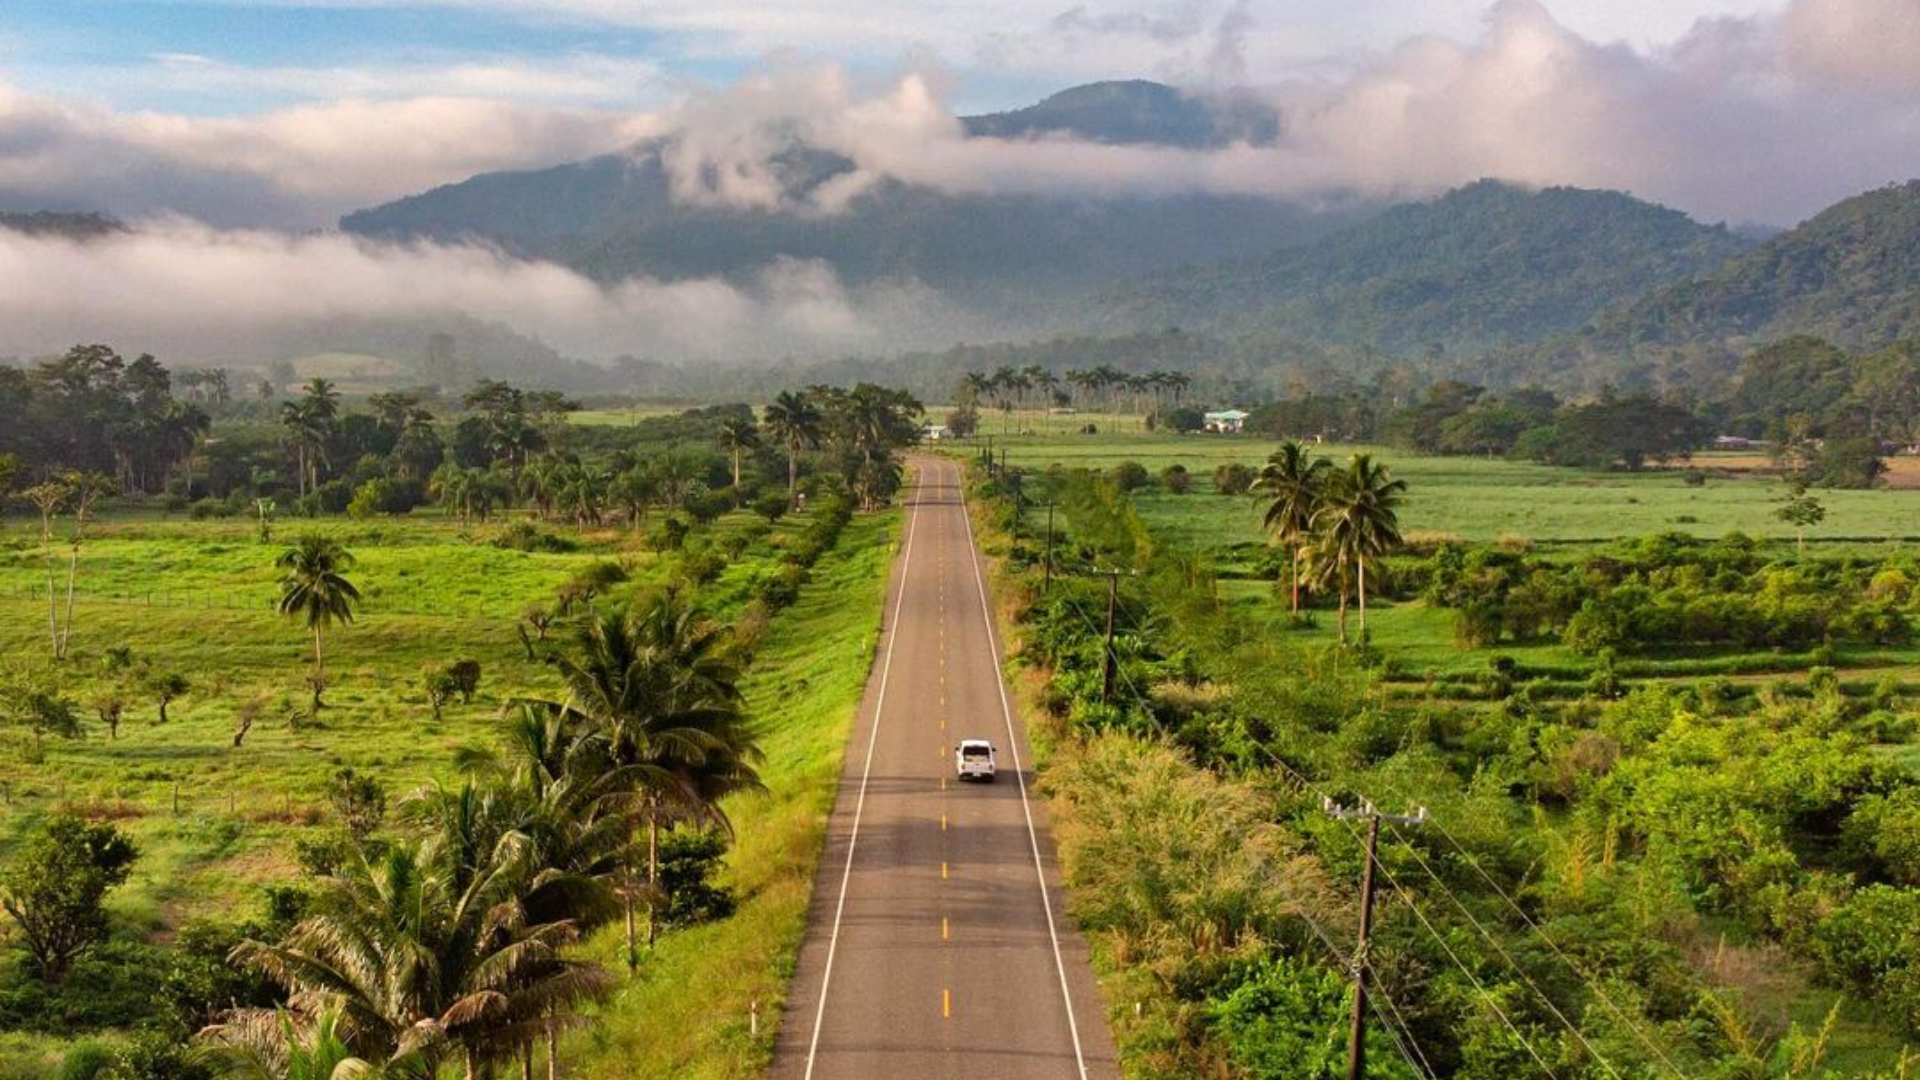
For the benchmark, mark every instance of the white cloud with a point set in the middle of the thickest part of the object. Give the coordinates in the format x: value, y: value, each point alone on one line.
x: 188, y: 292
x: 1748, y: 120
x: 294, y: 167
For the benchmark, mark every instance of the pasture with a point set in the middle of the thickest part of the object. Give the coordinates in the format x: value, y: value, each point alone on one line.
x: 216, y: 821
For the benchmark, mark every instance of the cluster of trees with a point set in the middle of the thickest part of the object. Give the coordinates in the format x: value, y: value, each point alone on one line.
x: 1103, y: 387
x: 95, y: 413
x: 1334, y: 523
x: 1668, y: 593
x: 1828, y: 417
x: 1556, y: 915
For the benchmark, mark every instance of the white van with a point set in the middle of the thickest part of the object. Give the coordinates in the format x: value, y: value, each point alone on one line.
x: 974, y: 759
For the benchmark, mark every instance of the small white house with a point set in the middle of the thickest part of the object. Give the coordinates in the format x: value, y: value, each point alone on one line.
x: 1226, y: 422
x: 936, y: 432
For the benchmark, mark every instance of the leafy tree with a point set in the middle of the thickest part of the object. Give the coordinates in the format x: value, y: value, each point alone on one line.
x: 1295, y: 480
x: 1287, y: 1022
x: 1802, y: 511
x: 772, y: 506
x: 111, y: 704
x: 314, y: 588
x: 165, y: 686
x: 1848, y: 463
x: 1130, y: 476
x: 358, y: 802
x: 55, y: 886
x: 1233, y: 478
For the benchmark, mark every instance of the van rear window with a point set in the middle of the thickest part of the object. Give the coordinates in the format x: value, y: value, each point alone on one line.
x: 973, y: 751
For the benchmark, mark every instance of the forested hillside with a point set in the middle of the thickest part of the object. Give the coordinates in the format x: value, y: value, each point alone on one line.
x: 1851, y: 275
x: 1486, y: 264
x: 618, y: 215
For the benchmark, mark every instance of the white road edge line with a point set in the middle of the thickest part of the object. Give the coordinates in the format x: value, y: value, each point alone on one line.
x: 1019, y: 773
x: 879, y: 711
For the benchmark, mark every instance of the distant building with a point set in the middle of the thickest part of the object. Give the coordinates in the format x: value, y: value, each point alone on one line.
x: 936, y: 432
x: 1735, y: 442
x: 1226, y: 422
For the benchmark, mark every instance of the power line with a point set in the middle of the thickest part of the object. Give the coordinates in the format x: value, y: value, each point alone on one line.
x: 1485, y: 996
x: 1586, y: 978
x: 1504, y: 955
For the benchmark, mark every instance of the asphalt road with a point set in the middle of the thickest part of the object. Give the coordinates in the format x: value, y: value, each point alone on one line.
x: 938, y: 945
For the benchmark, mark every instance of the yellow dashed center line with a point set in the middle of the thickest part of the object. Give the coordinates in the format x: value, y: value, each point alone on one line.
x: 943, y: 871
x: 946, y: 1003
x: 946, y: 933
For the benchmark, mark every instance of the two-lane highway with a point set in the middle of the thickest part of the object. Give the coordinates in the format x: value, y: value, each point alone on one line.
x: 937, y: 946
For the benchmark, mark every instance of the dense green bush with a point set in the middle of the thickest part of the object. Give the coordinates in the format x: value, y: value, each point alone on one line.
x: 1288, y: 1021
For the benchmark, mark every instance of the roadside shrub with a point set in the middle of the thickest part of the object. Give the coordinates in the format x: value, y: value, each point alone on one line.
x: 1872, y: 945
x: 1233, y: 478
x: 526, y: 536
x: 1287, y: 1022
x: 689, y: 861
x: 1130, y: 476
x: 85, y: 1061
x: 669, y: 535
x: 701, y: 567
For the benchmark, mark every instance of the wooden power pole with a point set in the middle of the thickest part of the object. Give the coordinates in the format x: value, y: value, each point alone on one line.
x: 1362, y: 967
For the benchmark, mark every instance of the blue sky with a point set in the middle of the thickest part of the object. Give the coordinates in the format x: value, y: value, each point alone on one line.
x: 209, y: 57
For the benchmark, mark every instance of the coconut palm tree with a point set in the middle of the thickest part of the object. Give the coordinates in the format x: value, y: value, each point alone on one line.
x: 795, y: 423
x: 435, y: 949
x: 1357, y: 522
x: 657, y: 684
x: 1295, y: 480
x: 315, y: 589
x: 260, y: 1045
x: 737, y: 435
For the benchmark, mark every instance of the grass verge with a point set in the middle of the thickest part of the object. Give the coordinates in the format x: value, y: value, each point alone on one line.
x: 686, y: 1015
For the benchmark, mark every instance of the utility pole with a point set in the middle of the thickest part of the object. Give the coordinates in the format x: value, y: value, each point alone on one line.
x: 1357, y: 1040
x: 1113, y: 602
x: 1049, y: 585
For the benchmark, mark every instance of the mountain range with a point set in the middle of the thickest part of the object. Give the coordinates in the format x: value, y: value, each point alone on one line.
x: 617, y: 216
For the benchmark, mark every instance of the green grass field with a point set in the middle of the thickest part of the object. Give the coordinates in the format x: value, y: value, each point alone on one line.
x: 215, y: 823
x: 1471, y: 498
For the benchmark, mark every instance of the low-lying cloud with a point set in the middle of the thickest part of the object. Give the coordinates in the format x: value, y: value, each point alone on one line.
x: 292, y: 168
x: 198, y: 295
x: 1751, y: 120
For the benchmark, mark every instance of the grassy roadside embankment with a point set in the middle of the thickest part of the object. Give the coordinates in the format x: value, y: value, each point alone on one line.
x: 686, y: 1016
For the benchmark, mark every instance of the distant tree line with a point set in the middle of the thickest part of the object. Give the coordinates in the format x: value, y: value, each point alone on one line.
x: 1824, y: 415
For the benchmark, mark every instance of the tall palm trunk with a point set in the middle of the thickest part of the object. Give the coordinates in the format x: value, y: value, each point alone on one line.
x: 73, y: 568
x: 1343, y: 601
x: 1362, y: 563
x: 736, y: 466
x: 1295, y: 571
x: 653, y: 874
x: 793, y: 476
x: 553, y: 1044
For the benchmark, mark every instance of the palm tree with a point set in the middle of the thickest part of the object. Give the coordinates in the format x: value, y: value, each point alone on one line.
x: 1296, y: 480
x: 315, y: 588
x: 658, y: 685
x: 736, y: 435
x: 260, y: 1045
x: 794, y: 422
x: 1358, y: 522
x: 435, y: 949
